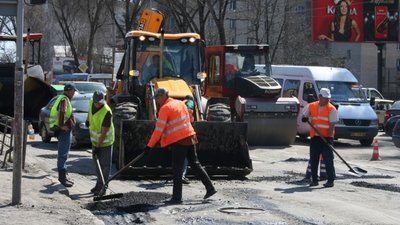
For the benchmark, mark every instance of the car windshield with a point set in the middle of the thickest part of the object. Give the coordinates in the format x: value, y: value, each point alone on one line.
x: 90, y: 87
x: 80, y: 104
x: 342, y: 91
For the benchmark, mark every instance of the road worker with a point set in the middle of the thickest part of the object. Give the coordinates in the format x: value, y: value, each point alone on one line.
x: 323, y: 116
x: 62, y: 121
x: 102, y: 137
x: 173, y: 129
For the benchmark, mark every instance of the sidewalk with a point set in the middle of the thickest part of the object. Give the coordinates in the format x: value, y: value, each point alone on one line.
x: 43, y: 200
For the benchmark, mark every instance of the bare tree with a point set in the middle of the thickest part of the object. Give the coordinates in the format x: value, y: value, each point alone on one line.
x: 67, y: 13
x: 187, y: 15
x: 8, y: 25
x: 124, y: 13
x: 218, y: 12
x: 95, y: 9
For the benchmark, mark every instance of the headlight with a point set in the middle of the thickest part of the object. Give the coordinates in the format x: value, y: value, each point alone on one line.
x: 374, y: 122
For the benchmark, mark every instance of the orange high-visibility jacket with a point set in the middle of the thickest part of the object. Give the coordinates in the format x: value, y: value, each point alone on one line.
x: 173, y: 124
x: 320, y: 120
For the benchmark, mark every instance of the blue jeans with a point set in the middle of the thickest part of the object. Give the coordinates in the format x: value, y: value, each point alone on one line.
x: 104, y: 156
x: 64, y: 145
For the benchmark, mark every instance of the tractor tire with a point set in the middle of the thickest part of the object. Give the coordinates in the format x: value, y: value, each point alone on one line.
x: 121, y: 111
x: 219, y: 112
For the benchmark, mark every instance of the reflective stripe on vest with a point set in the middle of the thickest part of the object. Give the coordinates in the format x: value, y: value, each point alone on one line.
x: 96, y: 122
x: 173, y: 124
x: 54, y: 115
x: 320, y: 120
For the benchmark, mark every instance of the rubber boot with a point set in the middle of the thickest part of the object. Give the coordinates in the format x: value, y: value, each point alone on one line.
x: 63, y: 180
x: 67, y: 178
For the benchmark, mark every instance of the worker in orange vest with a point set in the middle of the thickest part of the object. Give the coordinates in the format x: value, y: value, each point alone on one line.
x: 173, y: 129
x: 323, y: 115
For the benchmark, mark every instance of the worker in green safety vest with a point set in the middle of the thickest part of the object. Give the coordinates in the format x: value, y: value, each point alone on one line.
x: 102, y: 137
x: 62, y: 122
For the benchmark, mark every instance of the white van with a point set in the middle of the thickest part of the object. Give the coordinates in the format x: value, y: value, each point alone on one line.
x: 357, y: 119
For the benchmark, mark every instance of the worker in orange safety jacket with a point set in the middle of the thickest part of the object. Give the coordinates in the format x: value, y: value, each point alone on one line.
x: 173, y: 129
x: 322, y: 115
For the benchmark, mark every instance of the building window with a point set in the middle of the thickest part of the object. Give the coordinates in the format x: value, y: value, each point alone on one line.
x: 232, y: 5
x: 232, y: 23
x: 398, y: 64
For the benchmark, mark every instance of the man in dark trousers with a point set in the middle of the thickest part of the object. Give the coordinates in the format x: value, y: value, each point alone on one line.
x: 323, y: 116
x: 102, y: 137
x: 62, y: 121
x: 173, y: 129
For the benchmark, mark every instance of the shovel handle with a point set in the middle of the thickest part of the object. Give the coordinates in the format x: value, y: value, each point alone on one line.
x: 330, y: 146
x: 137, y: 158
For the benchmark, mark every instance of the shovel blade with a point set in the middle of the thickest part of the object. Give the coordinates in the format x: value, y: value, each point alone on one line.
x: 357, y: 171
x: 105, y: 197
x: 360, y: 171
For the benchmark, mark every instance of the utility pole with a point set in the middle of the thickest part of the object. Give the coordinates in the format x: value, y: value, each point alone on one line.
x: 18, y: 128
x: 380, y: 66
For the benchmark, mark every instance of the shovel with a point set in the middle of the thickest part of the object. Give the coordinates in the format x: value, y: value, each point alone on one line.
x: 357, y: 171
x: 101, y: 195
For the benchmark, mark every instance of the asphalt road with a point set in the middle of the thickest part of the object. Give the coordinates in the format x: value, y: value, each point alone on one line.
x: 273, y: 193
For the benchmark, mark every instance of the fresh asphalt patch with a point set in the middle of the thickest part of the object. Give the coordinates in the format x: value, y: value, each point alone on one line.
x: 385, y: 187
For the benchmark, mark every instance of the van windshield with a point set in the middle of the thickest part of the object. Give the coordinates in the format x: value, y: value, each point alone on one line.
x: 342, y: 91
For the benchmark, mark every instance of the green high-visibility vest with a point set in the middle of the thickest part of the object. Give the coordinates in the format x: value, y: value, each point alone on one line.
x: 53, y: 120
x: 96, y: 122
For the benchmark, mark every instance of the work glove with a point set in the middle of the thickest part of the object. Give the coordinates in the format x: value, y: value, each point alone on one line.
x: 147, y: 150
x: 96, y: 150
x: 304, y: 119
x: 329, y: 140
x: 87, y: 123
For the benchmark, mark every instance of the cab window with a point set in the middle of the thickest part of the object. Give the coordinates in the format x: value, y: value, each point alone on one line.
x: 291, y: 88
x: 308, y: 91
x: 214, y: 75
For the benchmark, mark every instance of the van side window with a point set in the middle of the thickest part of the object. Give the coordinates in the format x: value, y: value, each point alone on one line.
x: 291, y: 88
x: 308, y: 90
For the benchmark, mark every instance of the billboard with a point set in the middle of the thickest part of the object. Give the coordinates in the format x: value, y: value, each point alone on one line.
x: 355, y: 20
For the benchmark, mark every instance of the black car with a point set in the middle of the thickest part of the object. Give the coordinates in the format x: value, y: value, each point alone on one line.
x: 389, y: 124
x: 80, y: 134
x: 396, y: 134
x: 389, y: 121
x: 394, y: 110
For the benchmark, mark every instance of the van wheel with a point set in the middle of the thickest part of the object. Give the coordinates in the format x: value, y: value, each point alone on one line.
x: 366, y: 142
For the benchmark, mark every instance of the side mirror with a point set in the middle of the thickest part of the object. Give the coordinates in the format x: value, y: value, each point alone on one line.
x: 372, y: 101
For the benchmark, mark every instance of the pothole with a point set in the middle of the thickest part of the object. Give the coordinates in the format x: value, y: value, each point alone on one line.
x: 385, y: 187
x: 241, y: 210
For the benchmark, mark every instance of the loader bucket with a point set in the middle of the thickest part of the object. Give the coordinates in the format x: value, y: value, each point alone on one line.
x: 222, y: 149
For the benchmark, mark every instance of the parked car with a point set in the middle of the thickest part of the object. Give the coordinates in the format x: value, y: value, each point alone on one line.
x: 396, y: 134
x: 80, y: 133
x: 394, y: 110
x: 389, y: 124
x: 69, y: 66
x: 372, y: 93
x: 87, y: 87
x: 380, y: 107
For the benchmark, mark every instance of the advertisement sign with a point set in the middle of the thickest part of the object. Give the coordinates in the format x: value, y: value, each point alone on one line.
x: 355, y: 20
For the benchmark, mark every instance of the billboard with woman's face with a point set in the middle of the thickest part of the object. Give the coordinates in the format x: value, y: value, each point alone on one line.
x: 356, y: 20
